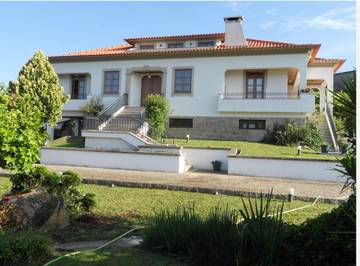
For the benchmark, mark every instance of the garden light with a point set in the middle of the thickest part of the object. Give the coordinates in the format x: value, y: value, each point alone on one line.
x: 298, y: 148
x: 187, y: 138
x: 291, y: 194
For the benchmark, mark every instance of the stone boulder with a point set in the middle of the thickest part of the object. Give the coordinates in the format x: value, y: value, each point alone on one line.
x: 36, y: 209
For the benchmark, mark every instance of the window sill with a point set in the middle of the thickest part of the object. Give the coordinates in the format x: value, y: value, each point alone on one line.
x: 182, y: 94
x: 111, y: 94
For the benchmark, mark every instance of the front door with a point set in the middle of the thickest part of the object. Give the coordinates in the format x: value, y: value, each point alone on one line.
x: 150, y: 84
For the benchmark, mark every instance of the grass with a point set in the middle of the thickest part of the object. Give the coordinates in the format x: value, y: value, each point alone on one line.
x: 67, y: 142
x: 123, y: 257
x: 255, y: 149
x: 118, y: 209
x: 247, y: 148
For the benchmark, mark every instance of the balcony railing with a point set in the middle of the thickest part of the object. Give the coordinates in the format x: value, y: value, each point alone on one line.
x: 269, y: 102
x: 265, y: 95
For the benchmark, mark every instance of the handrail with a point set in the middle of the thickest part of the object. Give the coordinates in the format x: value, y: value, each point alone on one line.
x: 332, y: 128
x: 121, y: 100
x: 265, y: 95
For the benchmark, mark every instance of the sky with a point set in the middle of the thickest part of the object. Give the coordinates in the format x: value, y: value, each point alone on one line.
x: 60, y: 27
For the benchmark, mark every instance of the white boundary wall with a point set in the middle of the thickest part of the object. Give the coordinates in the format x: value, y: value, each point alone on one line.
x: 110, y: 159
x: 284, y: 168
x: 201, y: 158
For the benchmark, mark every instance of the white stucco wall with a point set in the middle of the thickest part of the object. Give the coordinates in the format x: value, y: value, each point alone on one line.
x: 276, y: 82
x: 208, y: 82
x: 107, y: 143
x: 105, y: 139
x: 201, y: 158
x: 279, y: 168
x: 117, y: 160
x: 327, y: 74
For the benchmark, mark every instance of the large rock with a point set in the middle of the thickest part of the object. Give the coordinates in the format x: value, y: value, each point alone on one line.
x: 35, y: 209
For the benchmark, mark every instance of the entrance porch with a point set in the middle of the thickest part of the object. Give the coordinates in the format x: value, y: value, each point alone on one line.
x: 140, y: 82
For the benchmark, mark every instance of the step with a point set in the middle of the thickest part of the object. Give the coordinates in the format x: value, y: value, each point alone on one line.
x: 187, y: 167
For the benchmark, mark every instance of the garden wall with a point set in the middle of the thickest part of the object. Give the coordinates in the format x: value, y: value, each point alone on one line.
x: 132, y: 160
x: 305, y: 169
x: 201, y: 158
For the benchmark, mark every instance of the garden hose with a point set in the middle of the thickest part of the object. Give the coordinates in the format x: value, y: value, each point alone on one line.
x: 95, y: 249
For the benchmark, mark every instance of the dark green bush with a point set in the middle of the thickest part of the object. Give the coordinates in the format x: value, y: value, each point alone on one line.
x: 24, y: 182
x: 290, y: 133
x: 329, y: 239
x: 62, y: 184
x: 157, y: 110
x: 27, y: 247
x: 311, y: 136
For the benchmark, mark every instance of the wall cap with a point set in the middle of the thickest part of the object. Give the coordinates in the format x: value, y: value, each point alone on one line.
x: 279, y: 158
x: 109, y: 151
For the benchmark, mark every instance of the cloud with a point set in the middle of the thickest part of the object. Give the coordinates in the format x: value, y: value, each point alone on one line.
x: 267, y: 25
x: 271, y: 11
x: 334, y: 19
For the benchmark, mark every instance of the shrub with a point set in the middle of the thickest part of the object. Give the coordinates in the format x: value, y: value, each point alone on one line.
x: 328, y: 239
x: 93, y: 106
x: 28, y: 247
x: 66, y: 185
x: 311, y: 136
x: 157, y: 110
x: 62, y: 184
x: 22, y: 182
x: 287, y: 134
x: 290, y: 133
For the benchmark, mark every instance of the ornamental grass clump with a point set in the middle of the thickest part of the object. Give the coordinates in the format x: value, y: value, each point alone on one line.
x: 223, y: 237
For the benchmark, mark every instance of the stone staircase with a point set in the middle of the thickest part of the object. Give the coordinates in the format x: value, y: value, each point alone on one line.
x: 129, y: 119
x: 132, y: 112
x: 320, y: 120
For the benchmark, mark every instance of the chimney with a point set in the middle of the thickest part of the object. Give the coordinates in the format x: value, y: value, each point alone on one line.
x: 234, y: 34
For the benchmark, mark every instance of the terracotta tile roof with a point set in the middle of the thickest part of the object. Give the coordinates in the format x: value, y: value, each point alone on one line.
x: 336, y: 63
x: 125, y: 50
x: 252, y: 45
x: 218, y: 35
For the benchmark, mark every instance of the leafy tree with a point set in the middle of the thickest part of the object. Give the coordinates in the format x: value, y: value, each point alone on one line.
x: 157, y: 110
x: 35, y: 99
x: 20, y: 134
x: 38, y: 79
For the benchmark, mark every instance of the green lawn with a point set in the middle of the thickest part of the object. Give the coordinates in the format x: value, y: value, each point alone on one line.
x: 254, y: 148
x: 116, y: 257
x: 75, y: 142
x: 247, y: 148
x: 118, y: 209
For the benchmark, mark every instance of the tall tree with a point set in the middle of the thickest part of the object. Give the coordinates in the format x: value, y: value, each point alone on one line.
x: 35, y: 99
x: 38, y: 79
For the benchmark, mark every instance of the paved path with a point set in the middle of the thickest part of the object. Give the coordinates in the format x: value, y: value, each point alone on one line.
x: 208, y: 182
x: 127, y: 242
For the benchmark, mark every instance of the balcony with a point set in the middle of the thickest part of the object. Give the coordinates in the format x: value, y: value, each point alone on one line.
x: 74, y: 104
x: 271, y: 102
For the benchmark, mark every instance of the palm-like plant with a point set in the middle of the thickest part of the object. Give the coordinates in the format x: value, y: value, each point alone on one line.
x: 345, y: 106
x: 261, y: 231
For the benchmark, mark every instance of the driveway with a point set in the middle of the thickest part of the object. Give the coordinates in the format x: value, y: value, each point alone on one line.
x: 209, y: 182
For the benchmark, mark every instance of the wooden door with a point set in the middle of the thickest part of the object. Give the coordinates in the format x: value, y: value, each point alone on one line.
x: 254, y: 85
x: 150, y: 85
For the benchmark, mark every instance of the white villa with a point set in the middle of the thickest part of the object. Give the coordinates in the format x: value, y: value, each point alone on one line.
x: 219, y: 86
